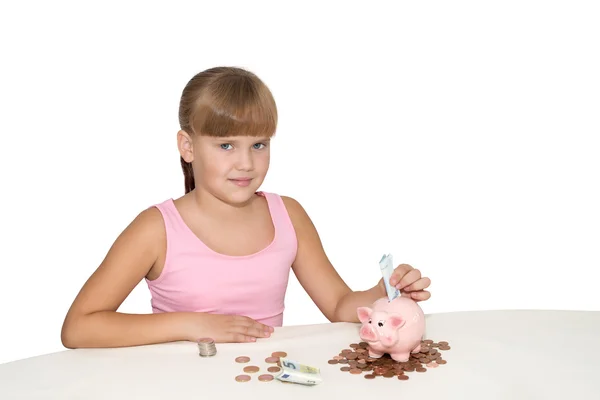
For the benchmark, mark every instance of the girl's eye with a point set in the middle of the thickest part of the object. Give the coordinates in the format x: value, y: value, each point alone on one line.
x: 257, y: 146
x: 224, y: 146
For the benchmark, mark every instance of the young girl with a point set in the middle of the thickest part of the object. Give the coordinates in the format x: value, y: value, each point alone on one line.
x: 217, y: 260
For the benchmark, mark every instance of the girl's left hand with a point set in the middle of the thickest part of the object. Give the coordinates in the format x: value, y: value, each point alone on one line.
x: 410, y: 282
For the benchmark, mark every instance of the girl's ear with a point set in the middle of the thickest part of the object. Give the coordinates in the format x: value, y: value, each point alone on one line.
x: 185, y: 145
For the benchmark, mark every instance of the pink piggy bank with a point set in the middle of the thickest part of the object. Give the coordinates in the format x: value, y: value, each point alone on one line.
x: 395, y: 327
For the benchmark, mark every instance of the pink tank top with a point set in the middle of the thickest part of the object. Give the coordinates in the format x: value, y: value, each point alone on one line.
x: 196, y: 278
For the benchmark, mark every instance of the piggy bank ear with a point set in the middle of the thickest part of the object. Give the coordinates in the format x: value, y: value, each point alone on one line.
x: 396, y: 321
x: 364, y: 313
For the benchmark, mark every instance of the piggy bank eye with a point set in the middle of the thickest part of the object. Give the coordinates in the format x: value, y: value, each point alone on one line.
x: 380, y: 323
x: 369, y: 321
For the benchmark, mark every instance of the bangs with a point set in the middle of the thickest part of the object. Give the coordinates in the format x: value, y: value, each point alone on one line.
x: 236, y: 106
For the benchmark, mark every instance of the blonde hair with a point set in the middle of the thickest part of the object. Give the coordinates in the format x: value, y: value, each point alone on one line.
x: 225, y: 101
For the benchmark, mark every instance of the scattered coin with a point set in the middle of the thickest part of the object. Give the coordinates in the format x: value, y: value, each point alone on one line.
x: 251, y: 369
x: 265, y: 378
x: 358, y: 361
x: 271, y: 360
x: 279, y: 354
x: 242, y: 359
x: 273, y: 369
x: 242, y: 378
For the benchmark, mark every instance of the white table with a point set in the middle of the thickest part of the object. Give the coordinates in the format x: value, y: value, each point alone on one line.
x: 494, y: 355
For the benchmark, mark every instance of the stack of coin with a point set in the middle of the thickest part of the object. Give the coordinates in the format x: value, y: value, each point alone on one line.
x: 207, y: 347
x: 356, y: 361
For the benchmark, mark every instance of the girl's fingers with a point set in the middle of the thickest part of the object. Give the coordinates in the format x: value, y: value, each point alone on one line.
x: 411, y: 277
x: 421, y: 295
x: 399, y: 273
x: 421, y: 284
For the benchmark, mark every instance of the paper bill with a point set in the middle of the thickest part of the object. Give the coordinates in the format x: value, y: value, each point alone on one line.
x: 386, y: 264
x: 291, y: 371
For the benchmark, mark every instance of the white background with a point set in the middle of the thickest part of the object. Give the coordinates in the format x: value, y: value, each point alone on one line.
x: 462, y: 137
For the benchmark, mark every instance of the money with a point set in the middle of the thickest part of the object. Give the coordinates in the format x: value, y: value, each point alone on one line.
x: 386, y: 264
x: 294, y: 372
x: 356, y: 361
x: 206, y: 347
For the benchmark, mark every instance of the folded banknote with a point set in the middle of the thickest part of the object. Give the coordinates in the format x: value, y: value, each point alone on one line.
x: 386, y: 264
x: 292, y: 371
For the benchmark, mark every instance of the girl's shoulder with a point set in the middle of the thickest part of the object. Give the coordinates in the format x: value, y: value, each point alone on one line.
x: 298, y: 215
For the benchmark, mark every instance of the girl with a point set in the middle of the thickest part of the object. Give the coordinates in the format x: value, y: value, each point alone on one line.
x: 217, y: 260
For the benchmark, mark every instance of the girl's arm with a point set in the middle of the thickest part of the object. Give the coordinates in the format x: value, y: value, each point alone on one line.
x: 93, y: 320
x: 325, y: 286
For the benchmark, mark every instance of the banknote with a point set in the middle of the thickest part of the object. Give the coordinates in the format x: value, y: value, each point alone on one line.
x: 386, y: 264
x: 292, y: 371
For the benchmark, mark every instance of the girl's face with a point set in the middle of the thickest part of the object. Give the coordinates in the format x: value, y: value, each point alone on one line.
x: 231, y: 168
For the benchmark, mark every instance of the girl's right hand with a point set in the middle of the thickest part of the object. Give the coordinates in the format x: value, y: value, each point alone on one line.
x: 228, y: 328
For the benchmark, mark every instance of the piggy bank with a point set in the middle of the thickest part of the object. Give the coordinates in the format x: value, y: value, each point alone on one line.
x: 394, y: 327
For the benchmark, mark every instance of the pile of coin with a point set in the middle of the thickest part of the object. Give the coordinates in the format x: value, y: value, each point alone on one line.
x: 207, y: 347
x: 253, y: 369
x: 356, y: 361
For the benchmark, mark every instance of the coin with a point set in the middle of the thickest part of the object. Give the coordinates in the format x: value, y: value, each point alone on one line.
x: 242, y: 359
x: 332, y: 361
x: 279, y: 354
x: 251, y: 369
x: 359, y: 360
x: 271, y: 360
x: 273, y: 369
x: 242, y: 378
x: 206, y: 347
x: 265, y: 378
